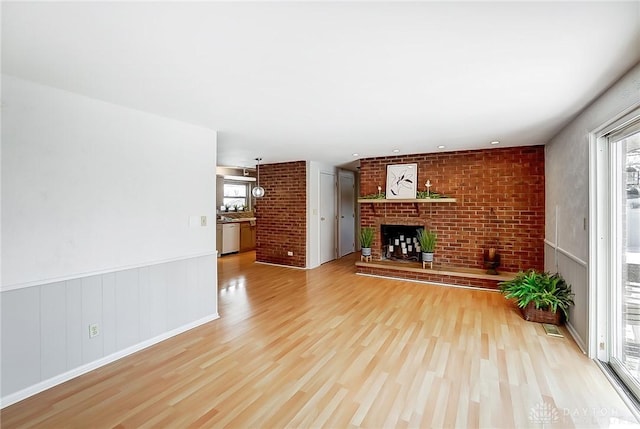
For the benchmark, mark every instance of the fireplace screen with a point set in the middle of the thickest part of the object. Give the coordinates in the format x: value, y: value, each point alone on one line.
x: 400, y: 242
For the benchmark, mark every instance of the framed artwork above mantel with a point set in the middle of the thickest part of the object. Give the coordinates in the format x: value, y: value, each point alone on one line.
x: 401, y: 181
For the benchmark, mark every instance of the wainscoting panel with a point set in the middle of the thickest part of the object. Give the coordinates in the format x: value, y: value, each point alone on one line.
x: 177, y: 273
x: 109, y: 313
x: 45, y: 328
x: 127, y: 309
x: 21, y: 344
x: 73, y: 314
x: 577, y: 276
x: 91, y: 315
x: 53, y: 329
x: 153, y: 285
x: 207, y: 302
x: 576, y: 273
x: 550, y: 258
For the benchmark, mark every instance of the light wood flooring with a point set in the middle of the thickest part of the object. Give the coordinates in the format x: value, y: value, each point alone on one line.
x: 328, y: 348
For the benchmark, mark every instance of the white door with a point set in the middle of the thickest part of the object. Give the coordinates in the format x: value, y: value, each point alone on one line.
x: 347, y: 234
x: 327, y: 217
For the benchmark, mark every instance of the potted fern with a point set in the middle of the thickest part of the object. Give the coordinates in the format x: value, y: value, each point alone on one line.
x: 427, y: 240
x: 366, y: 238
x: 542, y: 297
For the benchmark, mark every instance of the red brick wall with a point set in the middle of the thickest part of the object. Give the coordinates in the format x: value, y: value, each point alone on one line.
x: 500, y: 198
x: 281, y: 215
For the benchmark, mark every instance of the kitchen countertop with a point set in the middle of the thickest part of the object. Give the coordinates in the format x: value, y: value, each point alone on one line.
x: 238, y: 220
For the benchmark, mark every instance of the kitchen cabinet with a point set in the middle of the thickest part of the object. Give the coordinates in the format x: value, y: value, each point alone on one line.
x: 247, y: 236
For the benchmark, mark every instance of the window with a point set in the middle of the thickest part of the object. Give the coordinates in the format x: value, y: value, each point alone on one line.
x: 235, y: 195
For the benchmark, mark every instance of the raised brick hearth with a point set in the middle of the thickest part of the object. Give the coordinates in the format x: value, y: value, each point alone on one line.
x: 499, y: 203
x: 410, y: 271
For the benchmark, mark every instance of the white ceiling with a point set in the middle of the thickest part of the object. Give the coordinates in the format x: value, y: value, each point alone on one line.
x: 321, y: 81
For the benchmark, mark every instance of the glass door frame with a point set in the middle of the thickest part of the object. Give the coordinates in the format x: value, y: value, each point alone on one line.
x: 604, y: 258
x: 617, y: 157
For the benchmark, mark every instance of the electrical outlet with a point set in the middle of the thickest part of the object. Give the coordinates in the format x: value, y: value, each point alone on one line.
x: 289, y: 253
x: 203, y: 221
x: 93, y: 331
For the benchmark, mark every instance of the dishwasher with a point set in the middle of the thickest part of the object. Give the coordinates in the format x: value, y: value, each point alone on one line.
x: 230, y: 238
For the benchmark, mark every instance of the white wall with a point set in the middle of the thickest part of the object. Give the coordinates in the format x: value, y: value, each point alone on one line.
x: 314, y: 169
x: 89, y: 187
x: 96, y: 207
x: 567, y: 193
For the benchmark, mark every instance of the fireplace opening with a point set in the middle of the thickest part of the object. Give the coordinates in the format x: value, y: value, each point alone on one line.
x: 400, y: 242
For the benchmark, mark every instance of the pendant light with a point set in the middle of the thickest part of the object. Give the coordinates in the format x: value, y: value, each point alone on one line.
x: 258, y: 191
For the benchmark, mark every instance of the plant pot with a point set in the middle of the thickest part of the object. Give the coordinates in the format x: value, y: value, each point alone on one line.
x: 427, y: 257
x: 533, y: 314
x: 366, y: 251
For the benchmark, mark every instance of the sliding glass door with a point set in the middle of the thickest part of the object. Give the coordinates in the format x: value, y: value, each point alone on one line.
x: 624, y: 156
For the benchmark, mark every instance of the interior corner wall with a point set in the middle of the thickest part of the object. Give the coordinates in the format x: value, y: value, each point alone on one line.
x: 357, y: 191
x: 314, y: 170
x: 281, y: 214
x: 567, y: 195
x: 101, y: 208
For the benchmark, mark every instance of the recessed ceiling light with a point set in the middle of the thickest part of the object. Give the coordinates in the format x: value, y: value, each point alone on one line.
x: 396, y: 150
x: 356, y: 154
x: 441, y: 146
x: 495, y: 142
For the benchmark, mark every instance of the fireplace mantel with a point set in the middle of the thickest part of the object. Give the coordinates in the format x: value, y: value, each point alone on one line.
x: 417, y: 202
x: 407, y: 200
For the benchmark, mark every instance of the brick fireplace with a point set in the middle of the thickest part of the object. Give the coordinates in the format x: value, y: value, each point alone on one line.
x: 400, y: 242
x: 499, y: 202
x: 395, y: 227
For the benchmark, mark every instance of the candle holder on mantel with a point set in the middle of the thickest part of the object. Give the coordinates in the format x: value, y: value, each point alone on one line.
x: 491, y: 260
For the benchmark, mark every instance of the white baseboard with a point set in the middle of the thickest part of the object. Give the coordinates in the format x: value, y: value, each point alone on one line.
x: 576, y: 337
x: 281, y: 265
x: 61, y: 378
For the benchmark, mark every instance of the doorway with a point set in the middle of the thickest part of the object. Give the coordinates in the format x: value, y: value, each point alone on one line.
x: 624, y: 156
x: 327, y: 217
x: 615, y: 249
x: 346, y: 221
